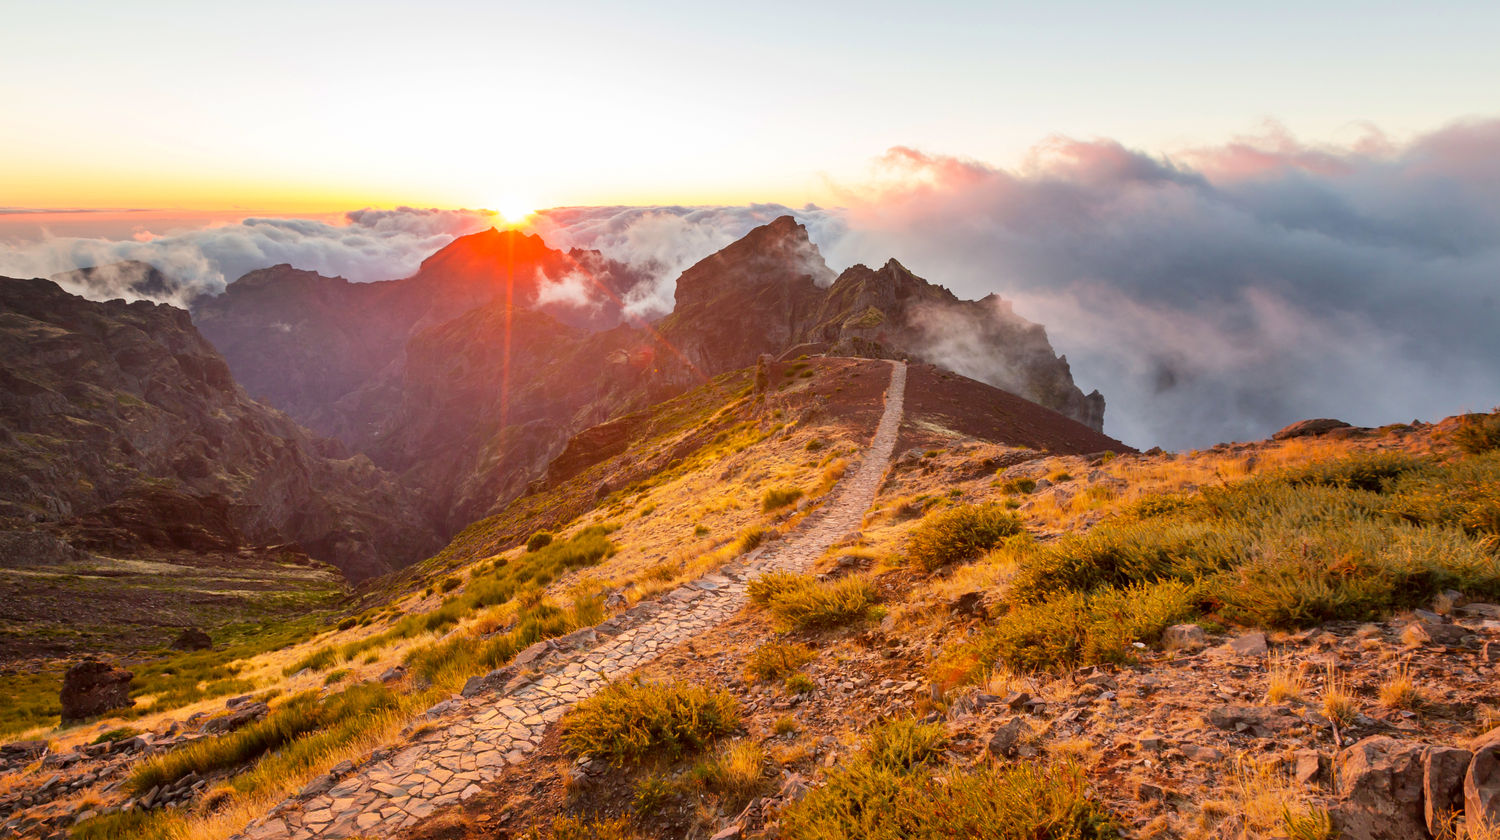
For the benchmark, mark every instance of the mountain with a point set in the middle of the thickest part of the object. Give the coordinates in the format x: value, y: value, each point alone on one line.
x: 124, y: 427
x: 752, y: 297
x: 306, y: 343
x: 777, y: 273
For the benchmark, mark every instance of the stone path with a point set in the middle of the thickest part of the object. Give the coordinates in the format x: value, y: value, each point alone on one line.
x: 477, y: 738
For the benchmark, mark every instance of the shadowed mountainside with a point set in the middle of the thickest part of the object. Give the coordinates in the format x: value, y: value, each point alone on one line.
x: 123, y: 424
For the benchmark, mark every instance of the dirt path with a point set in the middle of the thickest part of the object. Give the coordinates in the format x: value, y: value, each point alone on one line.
x: 476, y: 739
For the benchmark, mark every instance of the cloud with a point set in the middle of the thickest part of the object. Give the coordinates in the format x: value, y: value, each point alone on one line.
x: 1213, y: 294
x: 369, y: 245
x: 660, y: 242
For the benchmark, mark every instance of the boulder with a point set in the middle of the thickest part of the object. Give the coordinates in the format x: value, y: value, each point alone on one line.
x: 1482, y: 785
x: 1309, y: 428
x: 1443, y: 771
x: 1003, y: 743
x: 1258, y: 721
x: 969, y: 604
x: 237, y: 717
x: 192, y: 638
x: 1249, y: 644
x: 92, y: 688
x: 1184, y: 637
x: 1381, y: 790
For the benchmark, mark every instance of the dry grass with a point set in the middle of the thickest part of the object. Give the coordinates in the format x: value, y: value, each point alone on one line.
x: 1400, y: 691
x: 1339, y: 704
x: 1270, y: 801
x: 1286, y: 680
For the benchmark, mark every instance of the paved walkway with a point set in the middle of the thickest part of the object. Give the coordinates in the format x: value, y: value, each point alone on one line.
x: 476, y: 739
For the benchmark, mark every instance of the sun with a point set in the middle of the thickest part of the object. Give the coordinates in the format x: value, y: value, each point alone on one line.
x: 514, y: 210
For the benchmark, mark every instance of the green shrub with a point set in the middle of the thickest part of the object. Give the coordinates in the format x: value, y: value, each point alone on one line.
x: 904, y: 744
x: 779, y: 497
x: 449, y: 584
x: 801, y: 602
x: 799, y: 683
x: 863, y: 801
x: 1019, y: 486
x: 735, y: 771
x: 960, y: 533
x: 1071, y: 629
x: 1478, y: 433
x: 347, y: 624
x: 629, y: 720
x: 775, y: 660
x: 116, y: 734
x: 538, y: 541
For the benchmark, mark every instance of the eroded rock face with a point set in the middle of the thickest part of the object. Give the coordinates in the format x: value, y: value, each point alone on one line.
x: 1310, y: 428
x: 1381, y: 784
x: 1443, y: 770
x: 92, y: 688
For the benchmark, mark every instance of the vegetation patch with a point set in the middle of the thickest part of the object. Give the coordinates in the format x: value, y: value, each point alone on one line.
x: 776, y: 660
x: 802, y: 602
x: 866, y: 801
x: 959, y: 534
x: 779, y: 497
x: 629, y: 720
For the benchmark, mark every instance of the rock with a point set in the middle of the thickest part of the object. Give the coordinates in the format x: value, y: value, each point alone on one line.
x: 1381, y: 790
x: 969, y: 604
x: 1308, y: 766
x: 1447, y: 635
x: 1202, y: 754
x: 1249, y: 644
x: 92, y: 688
x: 1443, y: 770
x: 393, y: 674
x: 318, y: 786
x: 1003, y: 743
x: 1150, y: 742
x: 1258, y: 721
x: 236, y: 702
x: 23, y: 750
x: 616, y: 601
x: 192, y: 638
x: 531, y: 654
x: 1482, y: 785
x: 1184, y: 637
x: 237, y: 718
x: 472, y: 686
x: 1309, y: 428
x: 733, y: 831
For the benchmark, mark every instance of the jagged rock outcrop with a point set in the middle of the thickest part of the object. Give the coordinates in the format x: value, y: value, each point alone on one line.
x: 892, y: 313
x: 754, y: 296
x: 92, y: 688
x: 121, y: 422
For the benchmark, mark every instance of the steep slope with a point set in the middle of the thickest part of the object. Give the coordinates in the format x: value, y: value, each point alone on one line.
x: 121, y: 421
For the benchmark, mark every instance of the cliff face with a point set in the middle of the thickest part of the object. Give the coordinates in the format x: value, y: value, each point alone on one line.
x: 122, y: 420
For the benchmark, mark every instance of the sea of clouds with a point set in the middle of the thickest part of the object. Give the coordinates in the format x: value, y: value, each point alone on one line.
x: 1215, y: 294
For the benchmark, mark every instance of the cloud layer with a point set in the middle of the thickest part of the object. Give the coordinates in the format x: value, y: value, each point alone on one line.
x: 1214, y: 295
x: 370, y: 245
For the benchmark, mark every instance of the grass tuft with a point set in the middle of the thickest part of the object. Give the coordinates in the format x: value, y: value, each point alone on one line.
x: 629, y: 720
x: 959, y: 534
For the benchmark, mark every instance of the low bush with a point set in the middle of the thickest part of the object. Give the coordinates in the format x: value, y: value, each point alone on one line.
x: 315, y: 661
x: 1070, y: 629
x: 802, y: 602
x: 580, y: 828
x: 799, y: 683
x: 538, y: 541
x: 864, y: 801
x: 779, y: 497
x: 736, y: 771
x: 1478, y: 433
x: 629, y: 720
x: 958, y: 534
x: 904, y: 744
x: 776, y: 660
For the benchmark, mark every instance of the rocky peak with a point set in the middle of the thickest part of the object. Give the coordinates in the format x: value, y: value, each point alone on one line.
x: 126, y: 279
x: 778, y: 254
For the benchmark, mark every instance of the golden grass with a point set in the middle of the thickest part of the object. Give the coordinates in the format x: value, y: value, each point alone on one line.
x: 1286, y: 680
x: 1338, y: 703
x: 1400, y: 691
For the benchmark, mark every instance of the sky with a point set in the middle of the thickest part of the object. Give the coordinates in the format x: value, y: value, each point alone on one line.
x: 296, y: 107
x: 1228, y: 218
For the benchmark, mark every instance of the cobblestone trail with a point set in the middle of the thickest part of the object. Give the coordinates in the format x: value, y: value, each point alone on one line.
x: 477, y: 738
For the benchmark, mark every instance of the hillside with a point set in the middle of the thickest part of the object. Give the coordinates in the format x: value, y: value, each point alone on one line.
x: 468, y: 377
x: 124, y: 433
x: 871, y: 588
